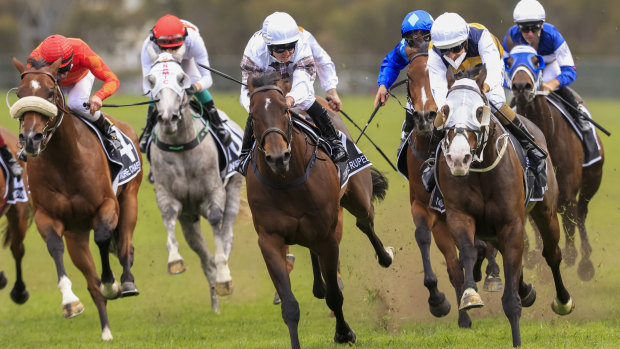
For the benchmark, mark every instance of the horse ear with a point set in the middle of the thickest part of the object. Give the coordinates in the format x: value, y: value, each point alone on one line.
x: 54, y: 67
x: 535, y: 61
x: 150, y: 80
x: 251, y: 83
x: 450, y: 77
x: 178, y: 54
x: 151, y: 51
x: 482, y: 75
x: 18, y: 65
x: 508, y: 62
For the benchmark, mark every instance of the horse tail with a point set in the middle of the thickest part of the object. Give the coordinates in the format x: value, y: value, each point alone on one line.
x: 379, y: 184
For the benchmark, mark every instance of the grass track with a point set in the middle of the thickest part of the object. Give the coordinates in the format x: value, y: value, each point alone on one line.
x: 386, y: 308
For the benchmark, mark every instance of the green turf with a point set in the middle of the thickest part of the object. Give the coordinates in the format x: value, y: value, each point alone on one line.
x: 387, y: 308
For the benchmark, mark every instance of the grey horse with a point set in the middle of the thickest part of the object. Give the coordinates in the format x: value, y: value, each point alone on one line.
x: 187, y: 182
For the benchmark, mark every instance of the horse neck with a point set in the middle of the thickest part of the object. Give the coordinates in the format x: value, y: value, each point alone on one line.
x: 64, y: 144
x: 186, y: 130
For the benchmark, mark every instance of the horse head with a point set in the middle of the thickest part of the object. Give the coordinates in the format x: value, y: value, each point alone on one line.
x: 40, y: 107
x: 419, y: 88
x: 524, y: 69
x: 167, y: 83
x: 271, y: 120
x: 467, y: 122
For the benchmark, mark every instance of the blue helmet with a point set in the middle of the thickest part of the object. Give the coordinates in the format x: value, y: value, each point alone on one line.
x: 416, y: 20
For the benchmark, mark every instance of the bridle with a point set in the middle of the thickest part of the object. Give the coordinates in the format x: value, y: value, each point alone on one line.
x: 286, y: 135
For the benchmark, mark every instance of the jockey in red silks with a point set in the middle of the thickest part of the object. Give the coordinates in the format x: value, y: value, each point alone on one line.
x: 76, y: 75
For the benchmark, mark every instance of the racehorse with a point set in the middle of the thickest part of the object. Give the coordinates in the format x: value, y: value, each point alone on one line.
x: 294, y: 194
x: 19, y: 218
x: 72, y: 192
x: 488, y: 198
x: 566, y: 150
x: 425, y: 218
x: 187, y: 180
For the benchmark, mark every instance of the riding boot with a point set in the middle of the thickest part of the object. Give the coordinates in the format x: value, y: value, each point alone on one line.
x: 537, y: 159
x: 428, y: 174
x: 214, y: 119
x: 407, y: 126
x: 10, y: 161
x: 324, y: 123
x: 246, y: 146
x: 109, y: 134
x: 148, y: 128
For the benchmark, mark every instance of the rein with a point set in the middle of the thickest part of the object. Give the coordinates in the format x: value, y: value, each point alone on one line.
x: 182, y: 147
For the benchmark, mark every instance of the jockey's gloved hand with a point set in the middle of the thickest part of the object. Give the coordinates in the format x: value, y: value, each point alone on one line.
x: 191, y: 90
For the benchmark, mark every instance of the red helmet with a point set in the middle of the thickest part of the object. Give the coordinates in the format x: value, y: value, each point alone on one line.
x: 57, y: 46
x: 169, y: 31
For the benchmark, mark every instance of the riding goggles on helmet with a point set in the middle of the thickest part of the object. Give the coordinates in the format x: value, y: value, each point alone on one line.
x: 529, y: 27
x: 65, y: 69
x: 283, y: 47
x: 413, y: 37
x: 170, y: 40
x: 455, y: 49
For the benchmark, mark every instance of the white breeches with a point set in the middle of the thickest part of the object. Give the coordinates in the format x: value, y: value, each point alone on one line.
x: 78, y: 94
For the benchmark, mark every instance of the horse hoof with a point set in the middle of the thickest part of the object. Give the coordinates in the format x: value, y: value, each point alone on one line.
x: 2, y: 280
x: 224, y: 288
x: 492, y: 284
x: 390, y: 252
x: 106, y: 335
x: 276, y: 299
x: 72, y: 309
x: 19, y: 297
x: 442, y: 309
x: 176, y: 267
x: 529, y: 300
x: 585, y: 270
x: 110, y: 291
x: 349, y: 337
x: 470, y: 300
x: 563, y: 309
x: 129, y: 289
x: 569, y: 255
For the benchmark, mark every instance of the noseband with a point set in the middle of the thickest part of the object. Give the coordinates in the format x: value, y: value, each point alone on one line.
x: 286, y: 135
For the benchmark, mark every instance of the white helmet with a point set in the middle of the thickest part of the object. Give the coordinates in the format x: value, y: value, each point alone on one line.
x: 528, y: 11
x: 280, y: 28
x: 449, y: 30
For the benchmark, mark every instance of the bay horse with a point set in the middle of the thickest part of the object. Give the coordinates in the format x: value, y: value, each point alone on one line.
x: 18, y: 219
x: 294, y: 194
x: 481, y: 179
x: 72, y: 193
x: 566, y: 150
x: 425, y: 218
x: 187, y: 181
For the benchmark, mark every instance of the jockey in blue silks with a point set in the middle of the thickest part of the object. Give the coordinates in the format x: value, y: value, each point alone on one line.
x: 416, y: 28
x: 559, y: 72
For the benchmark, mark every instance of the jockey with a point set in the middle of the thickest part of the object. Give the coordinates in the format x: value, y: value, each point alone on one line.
x: 325, y: 69
x: 559, y: 71
x: 280, y: 46
x: 459, y: 46
x: 9, y: 159
x: 76, y: 75
x: 169, y: 34
x: 416, y: 28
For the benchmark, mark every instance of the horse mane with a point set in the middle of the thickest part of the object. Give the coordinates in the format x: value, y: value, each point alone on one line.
x: 259, y: 79
x: 37, y: 63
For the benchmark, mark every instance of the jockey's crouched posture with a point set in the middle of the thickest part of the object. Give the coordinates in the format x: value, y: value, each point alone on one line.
x: 169, y: 34
x: 76, y: 75
x: 280, y: 47
x: 459, y: 46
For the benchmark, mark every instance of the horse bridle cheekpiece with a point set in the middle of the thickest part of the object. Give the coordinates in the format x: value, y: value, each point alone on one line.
x: 40, y: 105
x: 523, y: 56
x: 479, y: 128
x: 289, y: 132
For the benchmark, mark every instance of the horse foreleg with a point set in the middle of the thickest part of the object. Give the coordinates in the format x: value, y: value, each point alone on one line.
x: 17, y: 220
x: 511, y: 246
x: 328, y: 260
x: 128, y: 216
x: 463, y: 227
x: 170, y: 209
x: 271, y: 247
x: 492, y: 281
x: 105, y: 222
x: 318, y: 286
x: 385, y: 255
x: 589, y: 186
x: 193, y: 235
x: 79, y: 251
x: 455, y: 270
x: 569, y: 221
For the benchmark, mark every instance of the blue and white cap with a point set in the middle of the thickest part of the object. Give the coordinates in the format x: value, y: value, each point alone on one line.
x: 416, y: 20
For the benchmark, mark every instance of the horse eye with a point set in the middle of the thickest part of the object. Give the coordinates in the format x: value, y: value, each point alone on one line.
x: 50, y: 95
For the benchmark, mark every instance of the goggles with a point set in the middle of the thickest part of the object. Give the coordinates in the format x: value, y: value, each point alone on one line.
x: 455, y: 49
x: 65, y: 69
x: 525, y: 28
x: 170, y: 40
x: 413, y: 38
x: 282, y: 48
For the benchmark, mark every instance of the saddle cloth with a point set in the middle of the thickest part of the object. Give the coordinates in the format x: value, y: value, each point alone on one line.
x: 12, y: 193
x: 357, y: 160
x: 228, y: 157
x: 534, y: 191
x: 401, y: 156
x: 591, y: 146
x: 124, y: 163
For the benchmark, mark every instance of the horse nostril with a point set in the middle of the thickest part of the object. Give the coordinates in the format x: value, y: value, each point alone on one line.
x: 287, y: 156
x: 22, y: 139
x: 467, y: 158
x: 269, y: 159
x: 449, y: 157
x: 38, y: 137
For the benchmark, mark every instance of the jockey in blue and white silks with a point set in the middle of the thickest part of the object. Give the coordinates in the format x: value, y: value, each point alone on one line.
x: 414, y: 30
x: 279, y: 46
x: 459, y: 46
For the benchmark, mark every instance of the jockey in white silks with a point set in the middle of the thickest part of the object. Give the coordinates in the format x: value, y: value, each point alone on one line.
x: 169, y: 34
x: 279, y: 46
x: 459, y: 46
